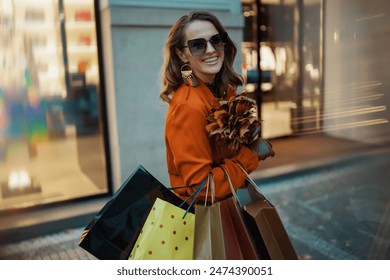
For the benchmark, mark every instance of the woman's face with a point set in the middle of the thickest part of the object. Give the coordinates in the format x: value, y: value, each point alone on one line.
x: 207, y: 65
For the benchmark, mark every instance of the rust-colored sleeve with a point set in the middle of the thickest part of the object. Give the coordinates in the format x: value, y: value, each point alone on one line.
x: 189, y: 157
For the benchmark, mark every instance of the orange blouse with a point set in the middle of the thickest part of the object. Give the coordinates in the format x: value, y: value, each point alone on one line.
x: 191, y: 155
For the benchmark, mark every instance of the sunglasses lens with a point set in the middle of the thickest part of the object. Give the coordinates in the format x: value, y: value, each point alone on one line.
x: 197, y: 46
x: 218, y: 42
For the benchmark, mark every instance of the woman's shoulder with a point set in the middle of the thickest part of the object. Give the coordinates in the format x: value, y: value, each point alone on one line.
x: 188, y: 97
x: 186, y: 104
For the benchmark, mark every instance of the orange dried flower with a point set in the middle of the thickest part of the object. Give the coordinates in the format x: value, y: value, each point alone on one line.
x: 234, y: 121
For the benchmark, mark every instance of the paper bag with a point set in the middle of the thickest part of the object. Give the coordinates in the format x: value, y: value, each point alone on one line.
x: 240, y: 245
x: 208, y: 236
x: 166, y: 235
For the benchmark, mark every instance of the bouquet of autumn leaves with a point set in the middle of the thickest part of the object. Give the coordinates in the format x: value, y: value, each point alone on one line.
x: 235, y: 121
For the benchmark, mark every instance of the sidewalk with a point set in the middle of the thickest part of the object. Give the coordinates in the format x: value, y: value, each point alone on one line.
x: 318, y: 200
x: 58, y: 246
x: 339, y: 211
x: 303, y: 153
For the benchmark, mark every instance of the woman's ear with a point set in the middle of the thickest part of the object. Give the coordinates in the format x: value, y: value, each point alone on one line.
x: 181, y: 55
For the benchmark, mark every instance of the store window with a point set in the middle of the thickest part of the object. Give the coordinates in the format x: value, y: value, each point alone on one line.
x: 289, y: 38
x: 52, y: 145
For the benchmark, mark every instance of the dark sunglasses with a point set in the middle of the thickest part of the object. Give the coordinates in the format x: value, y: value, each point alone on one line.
x: 198, y: 47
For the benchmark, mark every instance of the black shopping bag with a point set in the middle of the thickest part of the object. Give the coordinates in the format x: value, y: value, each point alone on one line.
x: 113, y: 231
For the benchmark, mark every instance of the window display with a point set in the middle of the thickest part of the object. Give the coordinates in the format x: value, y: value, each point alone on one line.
x: 51, y: 139
x: 290, y: 63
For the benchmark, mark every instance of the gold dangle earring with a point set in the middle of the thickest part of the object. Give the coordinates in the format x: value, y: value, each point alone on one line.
x: 188, y: 78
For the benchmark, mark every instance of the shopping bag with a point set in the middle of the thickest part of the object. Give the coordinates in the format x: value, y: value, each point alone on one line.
x: 264, y: 223
x: 113, y: 231
x: 268, y: 227
x: 230, y: 238
x: 220, y: 230
x: 166, y: 235
x: 239, y: 243
x: 208, y: 234
x: 221, y: 233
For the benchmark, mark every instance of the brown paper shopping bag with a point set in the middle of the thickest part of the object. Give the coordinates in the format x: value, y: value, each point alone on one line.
x: 239, y: 243
x: 264, y: 222
x: 268, y: 227
x: 220, y: 230
x: 208, y: 233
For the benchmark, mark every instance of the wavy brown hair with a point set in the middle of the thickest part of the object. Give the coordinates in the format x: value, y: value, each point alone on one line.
x: 171, y: 75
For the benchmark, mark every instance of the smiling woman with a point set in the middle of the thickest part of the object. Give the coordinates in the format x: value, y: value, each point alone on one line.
x: 198, y: 74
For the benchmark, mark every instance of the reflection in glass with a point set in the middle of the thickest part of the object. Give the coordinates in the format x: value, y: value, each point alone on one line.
x: 330, y: 67
x: 279, y: 60
x: 51, y: 142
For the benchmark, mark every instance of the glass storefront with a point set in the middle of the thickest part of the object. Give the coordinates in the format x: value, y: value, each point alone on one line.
x: 289, y: 34
x: 52, y: 146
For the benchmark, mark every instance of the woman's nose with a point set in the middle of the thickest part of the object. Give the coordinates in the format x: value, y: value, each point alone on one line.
x: 209, y: 47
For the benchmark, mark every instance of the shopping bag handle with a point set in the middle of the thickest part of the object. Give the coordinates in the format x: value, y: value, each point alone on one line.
x: 210, y: 187
x: 194, y: 195
x: 230, y: 183
x: 247, y: 177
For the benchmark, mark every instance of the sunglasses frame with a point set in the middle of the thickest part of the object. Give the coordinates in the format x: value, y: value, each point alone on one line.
x: 220, y: 45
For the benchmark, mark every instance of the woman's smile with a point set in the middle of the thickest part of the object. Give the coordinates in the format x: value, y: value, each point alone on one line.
x: 211, y: 60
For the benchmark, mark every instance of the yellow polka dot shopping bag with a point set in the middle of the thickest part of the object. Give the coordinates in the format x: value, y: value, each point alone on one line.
x: 166, y: 235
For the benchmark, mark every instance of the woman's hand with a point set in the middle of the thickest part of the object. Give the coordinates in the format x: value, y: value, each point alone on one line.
x: 262, y: 148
